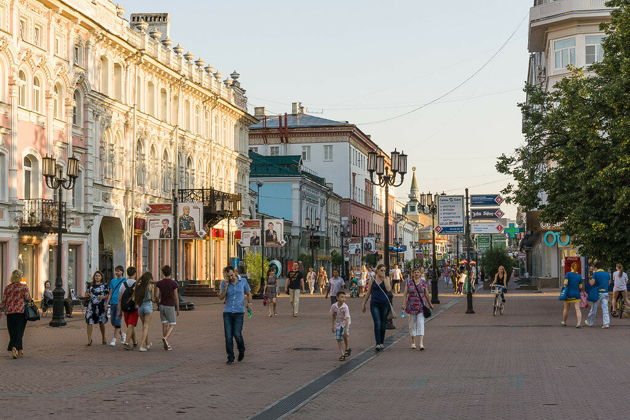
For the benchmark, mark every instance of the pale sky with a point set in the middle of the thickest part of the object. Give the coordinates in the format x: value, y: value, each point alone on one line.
x: 367, y: 60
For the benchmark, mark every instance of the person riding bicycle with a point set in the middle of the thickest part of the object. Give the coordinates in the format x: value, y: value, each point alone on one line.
x: 620, y: 286
x: 500, y: 278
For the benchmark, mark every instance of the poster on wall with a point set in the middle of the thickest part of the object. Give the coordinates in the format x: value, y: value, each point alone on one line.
x: 159, y: 221
x: 274, y: 232
x: 354, y: 246
x: 189, y: 219
x: 250, y: 232
x: 369, y: 245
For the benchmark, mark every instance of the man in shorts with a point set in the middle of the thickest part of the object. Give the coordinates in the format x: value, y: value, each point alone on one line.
x: 168, y: 305
x: 130, y: 317
x: 112, y: 302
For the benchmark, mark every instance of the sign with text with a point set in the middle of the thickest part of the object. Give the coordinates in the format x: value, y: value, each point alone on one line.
x: 486, y: 227
x: 450, y: 214
x: 485, y: 200
x: 250, y: 232
x: 477, y: 214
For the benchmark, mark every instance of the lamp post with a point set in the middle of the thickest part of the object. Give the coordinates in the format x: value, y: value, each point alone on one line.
x: 344, y: 233
x: 428, y: 202
x: 386, y: 177
x: 56, y: 181
x: 262, y: 238
x: 312, y: 228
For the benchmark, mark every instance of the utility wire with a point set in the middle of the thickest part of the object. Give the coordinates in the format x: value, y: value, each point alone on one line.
x: 462, y: 83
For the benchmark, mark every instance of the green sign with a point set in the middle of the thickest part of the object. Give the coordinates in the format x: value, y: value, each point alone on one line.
x: 513, y: 230
x: 498, y: 241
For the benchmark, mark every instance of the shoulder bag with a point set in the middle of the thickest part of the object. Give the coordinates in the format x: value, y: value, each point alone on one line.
x: 30, y: 311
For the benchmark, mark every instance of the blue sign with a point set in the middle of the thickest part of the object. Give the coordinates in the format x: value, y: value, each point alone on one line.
x: 449, y: 230
x: 551, y: 238
x: 479, y: 200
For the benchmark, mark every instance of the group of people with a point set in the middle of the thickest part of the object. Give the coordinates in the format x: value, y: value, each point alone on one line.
x: 600, y: 285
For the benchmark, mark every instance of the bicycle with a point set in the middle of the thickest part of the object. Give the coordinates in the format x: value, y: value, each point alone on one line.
x: 620, y: 305
x: 498, y: 306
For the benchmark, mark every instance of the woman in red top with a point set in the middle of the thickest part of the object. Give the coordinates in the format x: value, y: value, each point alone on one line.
x: 15, y: 294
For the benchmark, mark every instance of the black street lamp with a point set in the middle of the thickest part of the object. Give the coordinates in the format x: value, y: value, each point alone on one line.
x: 428, y: 202
x: 262, y: 239
x: 386, y: 177
x: 344, y: 233
x: 56, y: 181
x: 312, y: 242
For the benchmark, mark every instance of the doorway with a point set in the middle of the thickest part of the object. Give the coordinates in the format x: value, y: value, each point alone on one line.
x: 27, y: 265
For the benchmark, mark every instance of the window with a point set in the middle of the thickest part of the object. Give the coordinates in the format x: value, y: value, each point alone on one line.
x: 139, y: 163
x: 57, y: 46
x: 275, y: 150
x: 163, y: 104
x: 150, y: 98
x: 306, y: 153
x: 28, y: 177
x: 57, y: 101
x: 564, y: 53
x: 77, y: 54
x: 593, y: 49
x: 22, y: 89
x: 37, y: 95
x: 37, y: 35
x: 187, y: 114
x: 118, y: 81
x: 23, y: 30
x: 253, y: 149
x: 328, y: 152
x: 104, y: 75
x: 77, y: 109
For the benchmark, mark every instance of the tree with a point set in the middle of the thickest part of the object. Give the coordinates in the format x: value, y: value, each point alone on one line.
x: 416, y: 262
x: 495, y: 257
x: 307, y: 260
x: 336, y: 259
x: 371, y: 259
x: 252, y: 262
x: 577, y: 149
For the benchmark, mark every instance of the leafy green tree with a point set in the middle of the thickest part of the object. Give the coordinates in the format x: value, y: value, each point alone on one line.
x: 307, y: 260
x: 371, y: 259
x: 336, y: 259
x: 495, y: 257
x: 577, y: 149
x: 252, y: 262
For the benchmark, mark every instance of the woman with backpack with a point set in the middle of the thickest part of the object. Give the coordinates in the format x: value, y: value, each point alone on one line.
x: 143, y: 298
x: 96, y: 312
x: 128, y: 308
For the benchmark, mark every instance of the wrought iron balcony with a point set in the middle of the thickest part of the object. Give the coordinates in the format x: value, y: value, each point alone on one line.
x: 217, y: 205
x: 41, y: 215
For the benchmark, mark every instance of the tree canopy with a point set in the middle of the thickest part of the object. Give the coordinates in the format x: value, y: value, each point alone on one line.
x: 575, y: 162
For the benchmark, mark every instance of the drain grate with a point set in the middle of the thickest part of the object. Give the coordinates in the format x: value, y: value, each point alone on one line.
x: 306, y: 348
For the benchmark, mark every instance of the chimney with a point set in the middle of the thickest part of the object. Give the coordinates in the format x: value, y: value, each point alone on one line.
x: 297, y: 108
x: 259, y: 112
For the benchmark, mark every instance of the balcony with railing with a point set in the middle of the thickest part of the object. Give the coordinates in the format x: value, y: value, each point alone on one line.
x: 42, y: 215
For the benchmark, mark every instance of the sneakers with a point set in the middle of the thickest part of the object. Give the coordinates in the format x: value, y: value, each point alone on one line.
x: 143, y: 349
x: 241, y: 356
x: 113, y: 342
x: 605, y: 326
x: 588, y: 324
x: 123, y: 338
x: 413, y: 345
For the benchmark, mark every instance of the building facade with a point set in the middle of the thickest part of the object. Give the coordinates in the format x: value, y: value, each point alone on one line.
x: 78, y: 79
x: 562, y: 33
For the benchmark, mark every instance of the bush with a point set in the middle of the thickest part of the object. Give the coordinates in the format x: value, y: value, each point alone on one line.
x: 336, y: 260
x: 252, y: 262
x: 495, y: 257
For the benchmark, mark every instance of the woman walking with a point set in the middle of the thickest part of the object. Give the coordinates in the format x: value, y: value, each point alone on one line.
x: 143, y: 297
x: 363, y: 280
x: 271, y: 290
x: 414, y: 299
x: 15, y: 294
x: 377, y: 292
x: 95, y: 312
x: 573, y: 284
x: 310, y: 280
x: 322, y: 279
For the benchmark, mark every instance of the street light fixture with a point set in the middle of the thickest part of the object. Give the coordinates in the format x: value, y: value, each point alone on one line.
x: 56, y: 181
x: 386, y: 178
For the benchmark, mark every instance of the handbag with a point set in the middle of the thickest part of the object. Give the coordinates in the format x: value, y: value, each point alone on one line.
x: 563, y: 293
x: 30, y: 311
x: 426, y: 311
x: 583, y: 302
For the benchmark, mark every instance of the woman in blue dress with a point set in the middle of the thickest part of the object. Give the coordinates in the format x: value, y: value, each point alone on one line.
x: 574, y: 284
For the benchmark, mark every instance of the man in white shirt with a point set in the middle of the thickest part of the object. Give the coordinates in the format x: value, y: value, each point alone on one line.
x: 396, y: 276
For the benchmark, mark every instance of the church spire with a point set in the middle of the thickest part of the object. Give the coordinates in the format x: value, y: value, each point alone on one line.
x: 414, y: 190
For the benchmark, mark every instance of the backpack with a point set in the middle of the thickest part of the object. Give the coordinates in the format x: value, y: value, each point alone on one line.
x: 127, y: 303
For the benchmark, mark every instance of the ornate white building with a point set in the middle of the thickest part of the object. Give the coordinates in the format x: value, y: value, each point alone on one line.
x: 143, y: 117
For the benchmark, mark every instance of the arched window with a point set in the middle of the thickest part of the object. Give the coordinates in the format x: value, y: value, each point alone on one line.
x: 163, y: 104
x: 118, y: 82
x: 155, y: 170
x: 37, y: 95
x: 104, y: 76
x: 57, y: 101
x: 22, y: 89
x: 150, y: 98
x: 77, y: 109
x: 166, y: 172
x: 140, y: 165
x: 189, y: 179
x: 29, y: 167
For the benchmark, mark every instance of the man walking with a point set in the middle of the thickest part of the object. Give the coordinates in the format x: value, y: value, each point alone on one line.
x: 112, y: 302
x: 295, y: 283
x: 128, y: 308
x: 599, y: 281
x: 335, y: 286
x: 396, y: 278
x: 168, y: 305
x: 233, y: 290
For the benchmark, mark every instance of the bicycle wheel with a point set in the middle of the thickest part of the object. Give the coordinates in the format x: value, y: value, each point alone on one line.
x: 621, y: 304
x: 494, y: 307
x: 502, y: 307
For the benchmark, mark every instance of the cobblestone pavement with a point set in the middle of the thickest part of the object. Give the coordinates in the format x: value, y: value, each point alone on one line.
x: 520, y: 365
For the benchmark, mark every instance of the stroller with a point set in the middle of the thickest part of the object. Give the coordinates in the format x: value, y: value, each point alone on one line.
x: 354, y: 288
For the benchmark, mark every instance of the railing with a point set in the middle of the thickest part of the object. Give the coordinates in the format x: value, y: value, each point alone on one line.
x: 41, y: 215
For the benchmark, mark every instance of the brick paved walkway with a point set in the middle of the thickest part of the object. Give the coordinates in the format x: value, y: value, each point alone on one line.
x: 521, y: 365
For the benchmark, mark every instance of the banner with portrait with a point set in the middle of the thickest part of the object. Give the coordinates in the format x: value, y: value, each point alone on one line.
x: 354, y: 246
x: 274, y: 232
x: 159, y: 226
x: 190, y: 220
x: 250, y: 232
x: 369, y: 245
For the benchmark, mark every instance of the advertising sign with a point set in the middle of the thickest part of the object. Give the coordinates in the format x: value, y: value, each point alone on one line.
x: 274, y: 232
x: 369, y: 245
x: 450, y: 214
x: 250, y: 232
x: 485, y: 200
x: 159, y: 221
x: 486, y: 227
x: 476, y: 214
x: 190, y: 220
x: 354, y: 246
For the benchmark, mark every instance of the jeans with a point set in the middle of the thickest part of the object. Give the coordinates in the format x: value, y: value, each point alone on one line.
x: 379, y: 316
x: 603, y: 300
x: 16, y: 324
x: 233, y: 326
x: 294, y: 298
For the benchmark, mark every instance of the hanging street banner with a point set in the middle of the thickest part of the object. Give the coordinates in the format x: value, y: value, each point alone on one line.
x: 486, y: 227
x: 485, y: 200
x: 450, y: 215
x: 369, y: 245
x: 477, y: 214
x: 250, y: 232
x: 159, y: 221
x: 190, y: 220
x: 274, y: 232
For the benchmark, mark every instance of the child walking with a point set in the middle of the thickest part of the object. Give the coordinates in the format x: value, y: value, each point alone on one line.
x: 341, y: 325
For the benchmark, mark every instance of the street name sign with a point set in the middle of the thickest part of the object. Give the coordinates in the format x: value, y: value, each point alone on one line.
x: 485, y: 200
x: 450, y: 215
x: 476, y: 214
x: 486, y: 227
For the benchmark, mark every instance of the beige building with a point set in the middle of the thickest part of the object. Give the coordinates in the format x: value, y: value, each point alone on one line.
x: 143, y: 118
